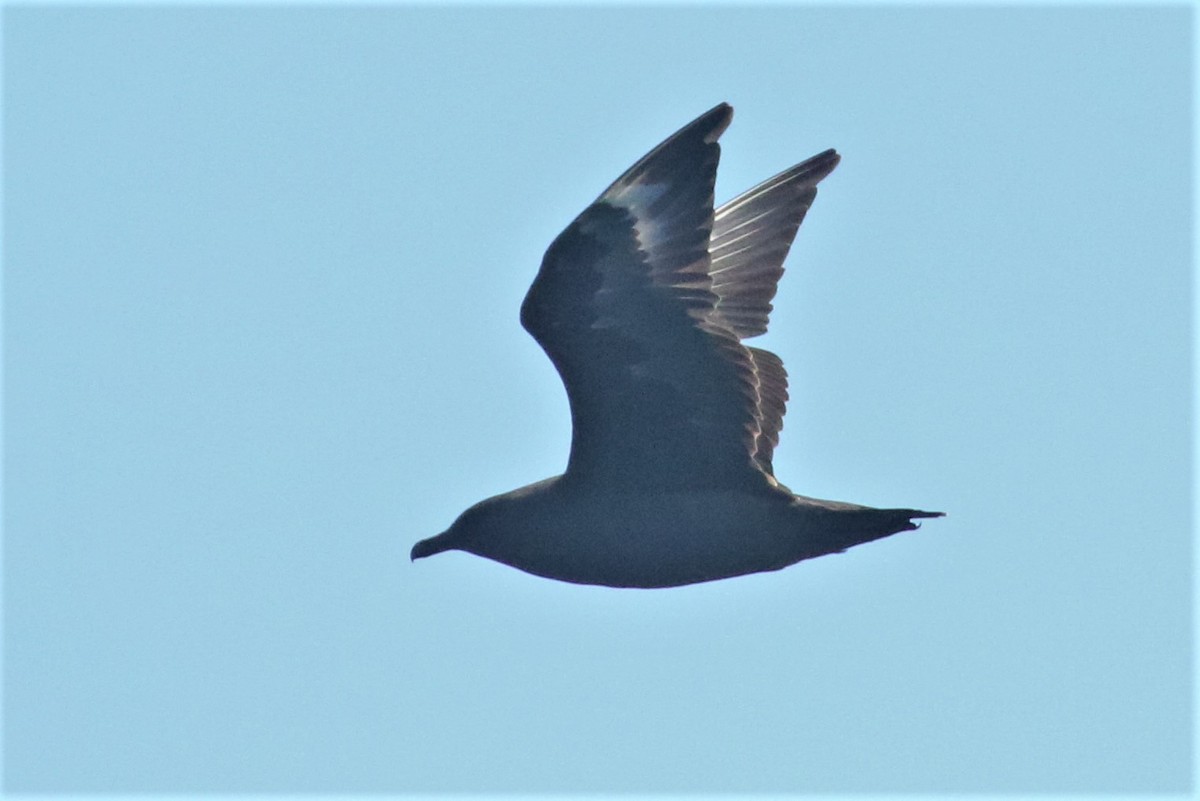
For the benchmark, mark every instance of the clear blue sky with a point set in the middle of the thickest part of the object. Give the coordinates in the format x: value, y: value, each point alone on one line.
x: 262, y: 274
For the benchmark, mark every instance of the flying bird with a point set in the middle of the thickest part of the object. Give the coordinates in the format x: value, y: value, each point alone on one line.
x: 643, y: 304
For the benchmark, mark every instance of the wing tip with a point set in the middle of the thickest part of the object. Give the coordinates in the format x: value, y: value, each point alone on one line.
x: 817, y: 168
x: 719, y: 116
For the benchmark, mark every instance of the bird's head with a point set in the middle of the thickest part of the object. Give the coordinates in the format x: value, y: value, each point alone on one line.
x: 465, y: 532
x: 491, y: 523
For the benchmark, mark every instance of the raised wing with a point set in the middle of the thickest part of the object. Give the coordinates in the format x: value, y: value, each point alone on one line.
x: 662, y: 392
x: 750, y: 238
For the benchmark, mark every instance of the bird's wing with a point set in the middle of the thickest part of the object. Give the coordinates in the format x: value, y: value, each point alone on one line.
x: 771, y: 384
x: 662, y: 392
x: 751, y: 235
x: 750, y: 238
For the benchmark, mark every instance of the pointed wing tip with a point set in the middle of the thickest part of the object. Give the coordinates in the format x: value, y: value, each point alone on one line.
x: 716, y: 120
x: 820, y: 165
x: 692, y: 147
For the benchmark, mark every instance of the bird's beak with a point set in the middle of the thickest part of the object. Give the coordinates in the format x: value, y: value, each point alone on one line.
x: 429, y: 547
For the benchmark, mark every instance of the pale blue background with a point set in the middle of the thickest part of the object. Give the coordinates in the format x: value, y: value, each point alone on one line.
x: 262, y: 273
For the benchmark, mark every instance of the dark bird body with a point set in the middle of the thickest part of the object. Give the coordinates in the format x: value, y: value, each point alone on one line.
x: 642, y: 304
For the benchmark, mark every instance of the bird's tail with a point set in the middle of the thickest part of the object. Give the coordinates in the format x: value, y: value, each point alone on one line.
x: 846, y: 527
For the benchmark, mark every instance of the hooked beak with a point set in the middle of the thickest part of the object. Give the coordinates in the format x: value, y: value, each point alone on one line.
x: 429, y: 547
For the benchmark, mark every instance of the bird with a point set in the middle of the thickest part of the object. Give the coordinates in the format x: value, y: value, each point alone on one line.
x: 643, y: 304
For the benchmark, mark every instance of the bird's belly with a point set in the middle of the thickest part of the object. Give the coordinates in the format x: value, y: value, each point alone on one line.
x: 662, y: 540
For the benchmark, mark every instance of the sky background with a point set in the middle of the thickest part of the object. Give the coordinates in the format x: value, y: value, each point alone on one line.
x: 262, y: 271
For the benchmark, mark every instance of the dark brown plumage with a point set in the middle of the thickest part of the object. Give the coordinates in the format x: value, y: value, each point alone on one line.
x: 642, y: 304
